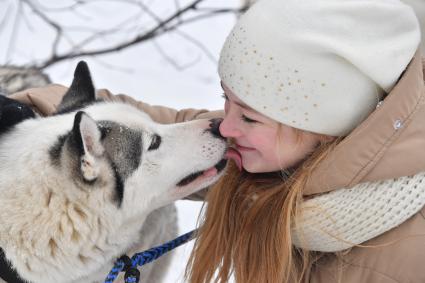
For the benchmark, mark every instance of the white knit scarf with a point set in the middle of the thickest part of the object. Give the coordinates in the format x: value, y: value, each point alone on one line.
x: 347, y: 217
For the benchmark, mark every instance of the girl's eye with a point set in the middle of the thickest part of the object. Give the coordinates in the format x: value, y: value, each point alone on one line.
x: 248, y: 120
x: 224, y: 96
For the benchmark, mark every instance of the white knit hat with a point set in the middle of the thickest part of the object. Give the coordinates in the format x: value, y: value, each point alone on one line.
x: 419, y: 7
x: 318, y: 65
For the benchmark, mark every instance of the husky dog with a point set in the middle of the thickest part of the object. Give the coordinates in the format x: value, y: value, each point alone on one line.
x: 94, y: 182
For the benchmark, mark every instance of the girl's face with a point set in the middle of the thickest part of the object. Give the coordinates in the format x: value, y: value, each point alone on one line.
x: 263, y: 147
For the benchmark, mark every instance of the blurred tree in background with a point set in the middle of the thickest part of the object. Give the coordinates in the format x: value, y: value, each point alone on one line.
x: 70, y: 29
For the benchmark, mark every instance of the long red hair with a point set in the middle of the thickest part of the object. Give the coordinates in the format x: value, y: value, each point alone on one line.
x: 246, y: 227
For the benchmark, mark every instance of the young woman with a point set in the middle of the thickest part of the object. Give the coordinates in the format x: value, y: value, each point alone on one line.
x: 324, y: 104
x: 300, y: 81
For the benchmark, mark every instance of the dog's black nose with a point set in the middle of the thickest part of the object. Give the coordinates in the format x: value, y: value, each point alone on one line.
x: 214, y: 127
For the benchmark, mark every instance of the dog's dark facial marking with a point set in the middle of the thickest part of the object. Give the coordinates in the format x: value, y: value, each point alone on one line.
x: 56, y: 150
x: 119, y: 186
x: 123, y: 145
x: 122, y: 150
x: 81, y: 92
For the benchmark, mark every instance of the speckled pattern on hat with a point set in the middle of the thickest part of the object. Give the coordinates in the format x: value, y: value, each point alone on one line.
x: 318, y: 65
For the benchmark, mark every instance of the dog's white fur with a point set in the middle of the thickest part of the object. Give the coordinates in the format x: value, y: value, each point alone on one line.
x: 53, y: 229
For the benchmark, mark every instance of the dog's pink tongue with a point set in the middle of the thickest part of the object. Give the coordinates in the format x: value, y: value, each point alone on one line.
x: 235, y: 155
x: 210, y: 172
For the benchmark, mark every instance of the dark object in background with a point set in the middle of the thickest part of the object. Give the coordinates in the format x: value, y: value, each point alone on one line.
x: 13, y: 112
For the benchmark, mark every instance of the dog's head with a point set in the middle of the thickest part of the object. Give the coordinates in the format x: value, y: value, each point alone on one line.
x: 140, y: 164
x: 76, y: 187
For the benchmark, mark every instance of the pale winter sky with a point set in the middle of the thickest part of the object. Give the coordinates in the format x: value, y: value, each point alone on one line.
x: 139, y: 71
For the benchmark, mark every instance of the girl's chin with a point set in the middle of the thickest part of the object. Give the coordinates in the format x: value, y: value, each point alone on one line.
x: 257, y: 166
x: 249, y: 166
x: 249, y: 161
x: 252, y: 170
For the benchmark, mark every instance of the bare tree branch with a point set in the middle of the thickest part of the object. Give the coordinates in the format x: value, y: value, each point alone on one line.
x: 181, y: 16
x: 146, y: 9
x: 150, y: 34
x: 99, y: 34
x: 211, y: 13
x: 198, y: 44
x: 51, y: 23
x: 170, y: 59
x: 73, y: 6
x: 177, y: 4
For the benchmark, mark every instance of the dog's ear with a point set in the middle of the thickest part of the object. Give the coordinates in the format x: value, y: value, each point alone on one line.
x: 80, y: 93
x: 87, y: 138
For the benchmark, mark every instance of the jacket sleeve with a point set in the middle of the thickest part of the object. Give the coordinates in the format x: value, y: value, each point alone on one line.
x: 162, y: 114
x: 45, y: 100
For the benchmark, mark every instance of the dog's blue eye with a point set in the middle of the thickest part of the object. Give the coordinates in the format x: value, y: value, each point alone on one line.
x: 155, y: 143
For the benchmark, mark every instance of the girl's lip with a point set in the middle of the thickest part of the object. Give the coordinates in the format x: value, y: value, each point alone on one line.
x: 243, y: 148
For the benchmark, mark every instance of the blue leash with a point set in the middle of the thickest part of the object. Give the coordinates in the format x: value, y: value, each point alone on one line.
x: 129, y: 265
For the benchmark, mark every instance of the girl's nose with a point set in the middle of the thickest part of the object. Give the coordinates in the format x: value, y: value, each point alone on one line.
x: 228, y: 128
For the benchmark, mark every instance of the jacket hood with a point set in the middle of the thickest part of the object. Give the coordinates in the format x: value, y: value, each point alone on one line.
x: 388, y: 144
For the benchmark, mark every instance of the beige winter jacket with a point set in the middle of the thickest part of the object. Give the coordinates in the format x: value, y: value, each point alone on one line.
x: 390, y: 143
